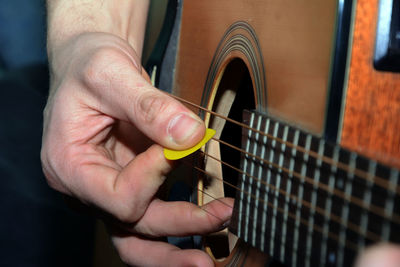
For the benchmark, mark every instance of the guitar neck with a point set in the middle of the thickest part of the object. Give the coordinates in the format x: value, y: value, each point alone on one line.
x: 307, y: 202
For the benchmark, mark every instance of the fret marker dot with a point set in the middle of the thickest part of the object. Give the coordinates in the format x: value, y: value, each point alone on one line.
x: 178, y: 154
x: 332, y: 257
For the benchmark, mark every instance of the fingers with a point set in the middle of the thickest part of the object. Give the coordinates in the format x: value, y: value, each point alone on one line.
x: 184, y: 218
x: 123, y: 193
x: 124, y: 93
x: 136, y: 251
x: 172, y: 219
x: 387, y: 255
x: 99, y: 87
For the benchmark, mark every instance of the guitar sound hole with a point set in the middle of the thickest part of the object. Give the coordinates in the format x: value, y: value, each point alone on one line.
x: 237, y: 80
x: 232, y: 133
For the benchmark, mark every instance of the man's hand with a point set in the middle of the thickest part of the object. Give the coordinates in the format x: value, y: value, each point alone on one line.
x: 104, y: 129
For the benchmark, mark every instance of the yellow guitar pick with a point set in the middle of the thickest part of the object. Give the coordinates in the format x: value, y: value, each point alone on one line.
x: 178, y: 154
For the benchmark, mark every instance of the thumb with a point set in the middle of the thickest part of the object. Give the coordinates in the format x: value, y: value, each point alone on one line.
x: 125, y: 94
x: 165, y: 119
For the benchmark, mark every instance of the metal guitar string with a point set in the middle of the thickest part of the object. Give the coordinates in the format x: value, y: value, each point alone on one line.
x: 335, y: 218
x: 355, y: 200
x: 348, y: 243
x: 343, y: 166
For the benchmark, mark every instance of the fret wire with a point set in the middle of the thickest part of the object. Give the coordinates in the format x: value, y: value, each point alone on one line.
x: 328, y: 207
x: 368, y: 178
x: 361, y: 173
x: 265, y: 207
x: 301, y: 194
x: 249, y: 187
x: 373, y: 208
x: 251, y: 180
x: 248, y: 201
x: 337, y: 219
x: 258, y: 186
x: 244, y: 178
x: 352, y: 227
x: 286, y: 207
x: 291, y: 167
x: 321, y: 211
x: 345, y: 209
x: 321, y: 146
x: 335, y: 237
x: 274, y: 217
x: 349, y: 244
x: 389, y: 205
x: 367, y: 198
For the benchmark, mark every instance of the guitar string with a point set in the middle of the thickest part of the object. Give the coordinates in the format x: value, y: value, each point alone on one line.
x: 361, y: 173
x: 352, y: 199
x: 355, y: 228
x: 347, y: 243
x: 378, y: 211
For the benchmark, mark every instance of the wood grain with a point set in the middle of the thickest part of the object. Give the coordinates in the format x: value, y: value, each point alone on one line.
x: 296, y: 41
x: 372, y: 113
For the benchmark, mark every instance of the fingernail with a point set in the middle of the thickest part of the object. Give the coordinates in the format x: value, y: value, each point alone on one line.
x: 182, y: 127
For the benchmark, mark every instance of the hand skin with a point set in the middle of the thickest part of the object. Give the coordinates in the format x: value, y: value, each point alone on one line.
x: 380, y: 255
x: 105, y: 126
x: 99, y: 117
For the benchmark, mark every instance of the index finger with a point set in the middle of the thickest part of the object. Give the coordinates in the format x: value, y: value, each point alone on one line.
x: 125, y: 193
x: 184, y: 218
x: 125, y: 94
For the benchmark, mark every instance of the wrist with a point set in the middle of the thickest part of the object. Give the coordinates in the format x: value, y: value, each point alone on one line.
x: 70, y: 18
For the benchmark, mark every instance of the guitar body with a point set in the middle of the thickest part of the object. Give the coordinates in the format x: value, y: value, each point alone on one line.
x: 295, y: 42
x: 372, y: 108
x: 281, y: 59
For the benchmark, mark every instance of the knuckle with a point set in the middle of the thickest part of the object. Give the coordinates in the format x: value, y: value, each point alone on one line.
x: 151, y: 106
x: 102, y: 67
x: 126, y: 216
x: 129, y: 214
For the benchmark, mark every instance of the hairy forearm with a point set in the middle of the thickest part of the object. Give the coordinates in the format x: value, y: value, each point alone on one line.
x: 123, y: 18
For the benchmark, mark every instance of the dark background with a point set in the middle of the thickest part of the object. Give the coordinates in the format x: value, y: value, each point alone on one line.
x: 36, y: 226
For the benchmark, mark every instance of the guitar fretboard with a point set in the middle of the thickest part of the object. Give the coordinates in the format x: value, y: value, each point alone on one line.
x: 306, y: 202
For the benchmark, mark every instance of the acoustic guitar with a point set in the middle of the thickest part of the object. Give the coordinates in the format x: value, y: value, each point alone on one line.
x: 305, y: 99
